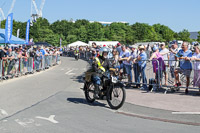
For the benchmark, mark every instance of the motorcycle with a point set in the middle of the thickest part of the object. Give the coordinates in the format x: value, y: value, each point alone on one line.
x: 77, y: 56
x: 111, y: 89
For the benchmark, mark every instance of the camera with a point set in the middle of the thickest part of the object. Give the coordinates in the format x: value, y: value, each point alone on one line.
x: 179, y: 55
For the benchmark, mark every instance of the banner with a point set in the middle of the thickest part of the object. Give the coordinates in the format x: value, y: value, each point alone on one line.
x: 8, y: 28
x: 27, y: 31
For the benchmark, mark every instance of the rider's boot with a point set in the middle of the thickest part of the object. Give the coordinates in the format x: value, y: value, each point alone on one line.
x: 96, y: 91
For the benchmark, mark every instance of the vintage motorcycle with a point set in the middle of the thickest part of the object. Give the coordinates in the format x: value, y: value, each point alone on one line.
x: 111, y: 89
x: 76, y: 56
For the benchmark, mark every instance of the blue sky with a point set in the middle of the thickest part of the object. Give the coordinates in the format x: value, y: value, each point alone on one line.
x: 177, y: 14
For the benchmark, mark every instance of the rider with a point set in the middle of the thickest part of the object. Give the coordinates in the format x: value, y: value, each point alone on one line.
x: 100, y: 65
x: 76, y: 51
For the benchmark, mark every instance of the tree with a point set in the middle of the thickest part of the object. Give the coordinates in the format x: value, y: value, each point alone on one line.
x: 144, y: 32
x: 164, y: 33
x: 71, y: 38
x: 184, y: 35
x: 95, y: 32
x: 118, y: 32
x: 82, y: 34
x: 198, y: 39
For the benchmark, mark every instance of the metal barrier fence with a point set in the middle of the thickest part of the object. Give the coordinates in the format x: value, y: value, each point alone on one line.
x: 183, y: 74
x: 163, y: 76
x: 10, y: 68
x: 82, y: 54
x: 144, y: 75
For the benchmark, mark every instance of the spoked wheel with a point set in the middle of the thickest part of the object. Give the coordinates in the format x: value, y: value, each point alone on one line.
x: 89, y: 92
x: 116, y: 97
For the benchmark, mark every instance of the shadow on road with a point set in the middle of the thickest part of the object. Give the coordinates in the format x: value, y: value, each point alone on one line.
x: 83, y: 101
x: 78, y: 79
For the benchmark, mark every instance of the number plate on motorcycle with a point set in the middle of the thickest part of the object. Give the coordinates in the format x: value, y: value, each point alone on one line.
x: 114, y: 79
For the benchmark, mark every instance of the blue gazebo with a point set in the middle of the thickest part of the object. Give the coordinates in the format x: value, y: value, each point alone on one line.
x: 14, y: 39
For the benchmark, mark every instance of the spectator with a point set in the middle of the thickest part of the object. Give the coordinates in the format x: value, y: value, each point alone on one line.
x: 94, y: 45
x: 38, y: 58
x: 132, y: 58
x: 148, y: 51
x: 25, y: 59
x: 18, y: 55
x: 2, y: 53
x: 119, y: 48
x: 196, y: 64
x: 172, y: 60
x: 115, y: 59
x: 124, y: 56
x: 11, y: 57
x: 185, y: 65
x: 163, y: 49
x: 142, y: 57
x: 158, y: 64
x: 97, y: 53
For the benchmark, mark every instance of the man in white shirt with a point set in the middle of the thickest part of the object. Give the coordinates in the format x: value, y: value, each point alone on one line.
x: 166, y: 60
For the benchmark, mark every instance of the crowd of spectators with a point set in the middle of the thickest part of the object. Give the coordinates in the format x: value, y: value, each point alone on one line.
x: 30, y: 57
x: 167, y: 60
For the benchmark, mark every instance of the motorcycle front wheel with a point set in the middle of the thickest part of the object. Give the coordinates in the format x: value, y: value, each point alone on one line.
x: 116, y: 96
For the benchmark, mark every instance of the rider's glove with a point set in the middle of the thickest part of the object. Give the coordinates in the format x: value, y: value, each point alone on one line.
x: 99, y: 71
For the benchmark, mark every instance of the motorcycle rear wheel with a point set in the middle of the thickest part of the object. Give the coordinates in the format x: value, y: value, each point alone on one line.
x: 89, y: 92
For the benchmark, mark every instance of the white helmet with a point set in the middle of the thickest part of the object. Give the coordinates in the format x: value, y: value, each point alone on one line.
x: 102, y: 50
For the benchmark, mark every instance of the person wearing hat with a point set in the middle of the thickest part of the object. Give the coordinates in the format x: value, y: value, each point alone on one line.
x: 158, y: 63
x: 119, y: 48
x: 132, y: 59
x: 163, y: 49
x: 196, y: 64
x: 141, y: 59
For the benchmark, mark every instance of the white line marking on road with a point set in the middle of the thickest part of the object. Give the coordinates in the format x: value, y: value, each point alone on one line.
x: 25, y: 122
x: 3, y: 113
x: 68, y: 71
x: 71, y: 74
x: 186, y: 113
x: 5, y: 120
x: 51, y: 119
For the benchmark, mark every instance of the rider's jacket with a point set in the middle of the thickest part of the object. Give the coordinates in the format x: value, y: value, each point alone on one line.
x: 76, y: 51
x: 102, y: 64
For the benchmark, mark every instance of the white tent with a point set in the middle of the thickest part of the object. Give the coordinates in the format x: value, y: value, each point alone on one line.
x: 146, y: 43
x: 77, y: 43
x: 101, y: 43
